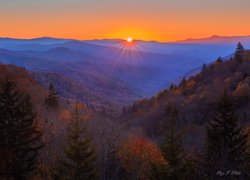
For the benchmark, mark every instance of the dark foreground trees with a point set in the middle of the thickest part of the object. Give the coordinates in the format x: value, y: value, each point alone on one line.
x: 226, y: 143
x: 52, y: 101
x: 172, y: 151
x: 239, y: 52
x: 79, y: 162
x: 20, y: 137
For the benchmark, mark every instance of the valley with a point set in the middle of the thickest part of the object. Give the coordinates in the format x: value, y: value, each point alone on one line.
x: 109, y: 72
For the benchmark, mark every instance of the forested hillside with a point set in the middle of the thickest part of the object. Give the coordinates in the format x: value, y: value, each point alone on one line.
x: 176, y: 134
x: 25, y: 83
x: 54, y: 118
x: 195, y: 96
x: 107, y: 74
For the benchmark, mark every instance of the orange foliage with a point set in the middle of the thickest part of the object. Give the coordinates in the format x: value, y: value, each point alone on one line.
x: 177, y: 91
x: 190, y: 84
x: 81, y: 106
x: 65, y: 115
x: 138, y: 154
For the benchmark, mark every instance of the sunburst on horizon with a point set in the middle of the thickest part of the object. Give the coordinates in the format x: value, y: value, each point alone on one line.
x: 129, y: 39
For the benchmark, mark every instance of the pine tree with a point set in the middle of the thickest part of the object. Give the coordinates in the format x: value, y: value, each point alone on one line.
x: 53, y: 98
x: 239, y: 52
x: 20, y: 138
x: 171, y: 87
x: 226, y: 142
x: 171, y: 150
x: 183, y: 83
x: 204, y: 68
x: 79, y: 162
x: 219, y: 60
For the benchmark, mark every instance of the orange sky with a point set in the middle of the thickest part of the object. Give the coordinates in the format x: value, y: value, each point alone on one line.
x: 162, y: 20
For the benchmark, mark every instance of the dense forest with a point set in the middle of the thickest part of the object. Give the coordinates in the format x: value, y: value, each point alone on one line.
x: 196, y: 129
x: 196, y: 96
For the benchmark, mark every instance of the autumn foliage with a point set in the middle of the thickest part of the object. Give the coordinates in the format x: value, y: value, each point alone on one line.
x: 138, y: 154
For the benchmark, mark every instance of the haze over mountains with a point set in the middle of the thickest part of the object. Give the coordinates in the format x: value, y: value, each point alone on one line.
x: 215, y: 39
x: 105, y: 72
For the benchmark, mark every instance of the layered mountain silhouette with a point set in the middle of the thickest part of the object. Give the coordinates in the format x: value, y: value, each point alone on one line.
x: 108, y: 72
x: 215, y: 39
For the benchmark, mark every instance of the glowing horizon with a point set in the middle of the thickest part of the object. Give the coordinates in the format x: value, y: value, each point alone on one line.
x: 163, y: 21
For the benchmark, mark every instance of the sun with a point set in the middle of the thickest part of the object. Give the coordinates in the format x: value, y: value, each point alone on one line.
x: 129, y: 39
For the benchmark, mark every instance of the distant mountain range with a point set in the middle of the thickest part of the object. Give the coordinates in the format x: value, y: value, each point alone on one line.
x: 219, y: 45
x: 105, y: 72
x: 215, y: 39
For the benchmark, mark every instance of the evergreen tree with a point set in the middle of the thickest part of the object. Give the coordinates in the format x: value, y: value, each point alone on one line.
x: 53, y: 98
x: 204, y: 68
x: 20, y: 138
x: 183, y: 83
x: 171, y: 87
x: 239, y: 52
x: 171, y: 150
x: 79, y: 162
x: 219, y: 60
x: 226, y: 142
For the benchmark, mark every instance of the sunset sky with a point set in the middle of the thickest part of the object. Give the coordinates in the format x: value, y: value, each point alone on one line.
x: 161, y: 20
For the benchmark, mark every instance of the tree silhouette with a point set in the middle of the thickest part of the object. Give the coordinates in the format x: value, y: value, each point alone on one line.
x: 239, y: 52
x: 183, y: 83
x: 20, y: 137
x: 219, y: 60
x: 204, y: 68
x: 52, y: 100
x: 226, y: 142
x: 79, y: 162
x: 171, y: 150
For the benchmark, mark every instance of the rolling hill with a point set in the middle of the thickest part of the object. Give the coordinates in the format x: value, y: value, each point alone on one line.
x: 107, y: 72
x: 195, y: 99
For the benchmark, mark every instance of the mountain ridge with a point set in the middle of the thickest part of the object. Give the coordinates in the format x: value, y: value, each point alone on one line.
x: 217, y: 39
x: 124, y: 40
x: 195, y: 97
